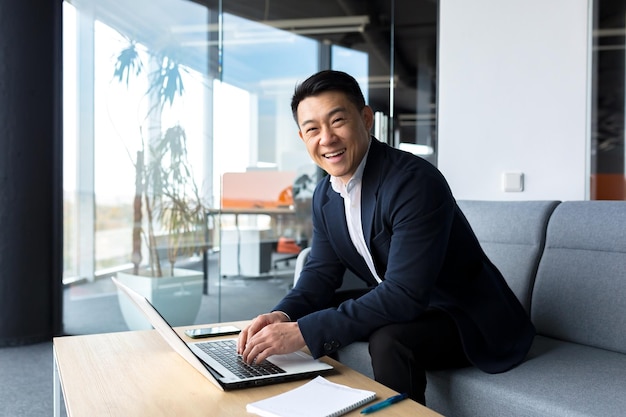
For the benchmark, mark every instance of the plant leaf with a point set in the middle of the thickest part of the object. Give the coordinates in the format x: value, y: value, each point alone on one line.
x: 127, y: 61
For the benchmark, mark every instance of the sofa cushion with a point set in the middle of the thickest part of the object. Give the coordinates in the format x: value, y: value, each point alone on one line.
x: 512, y: 234
x: 356, y: 356
x: 580, y: 289
x: 558, y: 379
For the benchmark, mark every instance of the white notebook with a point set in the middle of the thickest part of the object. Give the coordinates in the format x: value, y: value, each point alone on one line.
x: 317, y: 398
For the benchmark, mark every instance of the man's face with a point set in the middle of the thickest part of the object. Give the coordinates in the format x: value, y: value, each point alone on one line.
x: 335, y: 132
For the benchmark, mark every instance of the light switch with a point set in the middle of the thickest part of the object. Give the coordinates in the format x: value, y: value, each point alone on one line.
x: 512, y: 182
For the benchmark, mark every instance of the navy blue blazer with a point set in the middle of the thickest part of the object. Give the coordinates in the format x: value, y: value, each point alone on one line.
x: 425, y: 252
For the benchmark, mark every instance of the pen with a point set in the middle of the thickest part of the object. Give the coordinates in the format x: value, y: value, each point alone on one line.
x: 383, y: 404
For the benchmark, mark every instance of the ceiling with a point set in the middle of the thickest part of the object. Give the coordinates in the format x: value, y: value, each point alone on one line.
x: 414, y: 39
x: 414, y: 34
x: 407, y: 47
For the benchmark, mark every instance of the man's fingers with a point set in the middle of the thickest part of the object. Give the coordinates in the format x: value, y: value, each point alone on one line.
x: 264, y: 354
x: 267, y: 335
x: 260, y: 346
x: 242, y: 340
x: 247, y: 333
x: 256, y: 352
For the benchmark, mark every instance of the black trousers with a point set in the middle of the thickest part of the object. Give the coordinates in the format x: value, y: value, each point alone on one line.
x: 402, y: 353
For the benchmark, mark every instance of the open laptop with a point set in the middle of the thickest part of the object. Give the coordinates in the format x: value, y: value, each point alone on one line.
x: 223, y: 371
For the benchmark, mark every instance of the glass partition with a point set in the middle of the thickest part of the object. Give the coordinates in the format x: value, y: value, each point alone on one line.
x: 608, y: 155
x: 138, y: 98
x: 181, y: 153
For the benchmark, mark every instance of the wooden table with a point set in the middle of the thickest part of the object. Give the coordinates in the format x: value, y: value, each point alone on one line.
x: 138, y: 374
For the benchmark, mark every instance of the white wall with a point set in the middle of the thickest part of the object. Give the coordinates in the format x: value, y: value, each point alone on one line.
x: 514, y: 82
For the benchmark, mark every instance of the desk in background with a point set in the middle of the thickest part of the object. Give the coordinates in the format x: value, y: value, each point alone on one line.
x: 243, y: 249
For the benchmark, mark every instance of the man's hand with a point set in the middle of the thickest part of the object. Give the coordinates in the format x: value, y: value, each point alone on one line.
x: 257, y: 324
x: 269, y: 334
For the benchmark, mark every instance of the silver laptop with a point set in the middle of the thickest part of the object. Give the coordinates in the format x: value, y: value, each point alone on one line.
x: 225, y: 371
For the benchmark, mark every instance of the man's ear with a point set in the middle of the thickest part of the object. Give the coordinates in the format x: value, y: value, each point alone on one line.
x: 300, y: 134
x: 368, y: 117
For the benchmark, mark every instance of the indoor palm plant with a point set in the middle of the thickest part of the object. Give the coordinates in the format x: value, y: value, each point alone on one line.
x: 169, y: 215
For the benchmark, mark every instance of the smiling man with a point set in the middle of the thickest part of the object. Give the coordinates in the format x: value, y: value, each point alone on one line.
x: 434, y: 300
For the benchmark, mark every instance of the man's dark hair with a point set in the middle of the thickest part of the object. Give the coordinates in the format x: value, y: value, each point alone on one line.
x: 327, y: 80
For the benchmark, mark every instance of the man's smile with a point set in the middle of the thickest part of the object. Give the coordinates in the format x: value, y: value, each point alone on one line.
x: 333, y: 154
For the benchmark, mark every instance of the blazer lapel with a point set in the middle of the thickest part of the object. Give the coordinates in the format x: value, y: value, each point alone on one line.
x: 369, y: 189
x: 334, y: 213
x: 368, y: 204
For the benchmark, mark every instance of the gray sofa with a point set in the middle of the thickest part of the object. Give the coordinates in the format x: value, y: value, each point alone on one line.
x: 566, y: 262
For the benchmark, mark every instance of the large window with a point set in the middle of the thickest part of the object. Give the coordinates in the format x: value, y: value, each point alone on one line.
x: 172, y: 92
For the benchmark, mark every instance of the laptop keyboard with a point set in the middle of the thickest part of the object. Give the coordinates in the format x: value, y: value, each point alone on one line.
x: 225, y: 352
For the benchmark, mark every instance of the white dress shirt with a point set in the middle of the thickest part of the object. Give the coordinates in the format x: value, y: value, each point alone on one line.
x: 351, y: 194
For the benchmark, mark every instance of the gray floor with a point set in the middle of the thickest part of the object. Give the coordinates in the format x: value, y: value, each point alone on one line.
x: 26, y: 373
x: 26, y: 380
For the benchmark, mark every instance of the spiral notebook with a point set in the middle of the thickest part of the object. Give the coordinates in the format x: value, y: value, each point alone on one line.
x: 317, y: 398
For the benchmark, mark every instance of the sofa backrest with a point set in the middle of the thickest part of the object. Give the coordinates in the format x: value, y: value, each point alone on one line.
x: 580, y: 289
x: 512, y: 234
x: 300, y: 261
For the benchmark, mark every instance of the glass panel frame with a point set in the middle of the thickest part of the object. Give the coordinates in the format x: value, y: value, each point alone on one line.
x: 608, y: 108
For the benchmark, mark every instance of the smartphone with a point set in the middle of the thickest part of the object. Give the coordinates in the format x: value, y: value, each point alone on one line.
x: 212, y: 331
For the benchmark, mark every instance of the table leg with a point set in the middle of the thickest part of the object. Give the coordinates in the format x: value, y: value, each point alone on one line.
x: 56, y: 386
